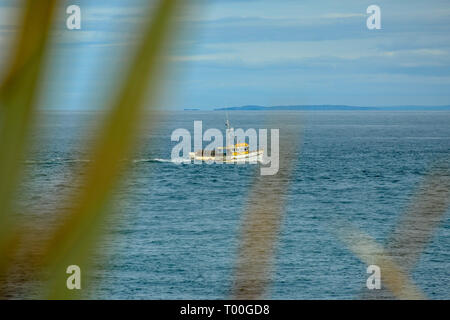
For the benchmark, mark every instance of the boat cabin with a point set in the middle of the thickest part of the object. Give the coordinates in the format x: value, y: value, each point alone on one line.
x: 237, y: 149
x: 232, y: 150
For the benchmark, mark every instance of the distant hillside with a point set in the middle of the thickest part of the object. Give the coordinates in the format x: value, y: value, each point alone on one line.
x: 335, y: 108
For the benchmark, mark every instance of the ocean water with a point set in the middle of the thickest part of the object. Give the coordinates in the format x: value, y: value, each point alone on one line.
x: 175, y: 233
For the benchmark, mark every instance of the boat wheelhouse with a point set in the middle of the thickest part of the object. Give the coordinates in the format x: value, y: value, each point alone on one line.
x: 237, y: 152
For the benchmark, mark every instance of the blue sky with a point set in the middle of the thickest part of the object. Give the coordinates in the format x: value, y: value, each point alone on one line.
x: 265, y: 52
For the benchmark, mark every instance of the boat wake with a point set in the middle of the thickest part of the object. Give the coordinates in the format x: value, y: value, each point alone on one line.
x: 156, y: 160
x: 141, y: 160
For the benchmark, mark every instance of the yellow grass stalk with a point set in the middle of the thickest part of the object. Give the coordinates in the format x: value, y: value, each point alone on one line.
x: 18, y: 96
x: 393, y: 275
x: 74, y: 241
x: 262, y: 219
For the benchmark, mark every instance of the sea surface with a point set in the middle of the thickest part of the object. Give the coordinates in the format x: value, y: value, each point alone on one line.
x: 176, y: 230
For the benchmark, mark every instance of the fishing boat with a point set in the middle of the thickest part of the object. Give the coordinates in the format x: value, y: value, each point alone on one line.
x: 235, y: 153
x: 230, y: 154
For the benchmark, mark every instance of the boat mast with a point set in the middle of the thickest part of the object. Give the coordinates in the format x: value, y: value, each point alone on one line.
x: 230, y: 131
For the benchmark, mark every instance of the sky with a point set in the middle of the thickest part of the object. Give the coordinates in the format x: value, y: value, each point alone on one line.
x: 257, y: 52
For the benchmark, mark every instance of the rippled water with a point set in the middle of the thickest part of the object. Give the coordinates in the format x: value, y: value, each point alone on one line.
x: 176, y: 232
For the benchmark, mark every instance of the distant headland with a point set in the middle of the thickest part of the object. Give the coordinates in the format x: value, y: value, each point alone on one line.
x: 333, y: 108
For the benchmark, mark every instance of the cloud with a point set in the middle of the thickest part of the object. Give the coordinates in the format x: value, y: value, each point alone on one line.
x: 342, y: 15
x: 245, y: 51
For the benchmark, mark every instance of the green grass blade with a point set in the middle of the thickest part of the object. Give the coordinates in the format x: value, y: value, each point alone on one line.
x: 18, y: 95
x: 74, y: 241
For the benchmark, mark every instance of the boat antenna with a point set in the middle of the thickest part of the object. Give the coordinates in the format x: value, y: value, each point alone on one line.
x: 227, y: 124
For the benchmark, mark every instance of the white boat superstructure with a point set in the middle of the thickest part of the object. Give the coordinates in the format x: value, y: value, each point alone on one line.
x: 235, y: 153
x: 231, y: 154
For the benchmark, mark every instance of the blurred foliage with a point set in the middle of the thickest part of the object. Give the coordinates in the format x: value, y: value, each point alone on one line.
x: 263, y: 216
x: 18, y: 95
x: 74, y: 240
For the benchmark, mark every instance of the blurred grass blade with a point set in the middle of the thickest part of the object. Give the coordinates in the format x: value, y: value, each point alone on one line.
x: 263, y: 217
x: 417, y: 224
x: 392, y: 274
x: 75, y: 240
x: 425, y: 212
x: 18, y: 96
